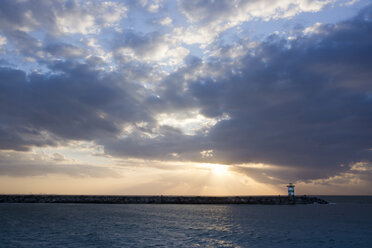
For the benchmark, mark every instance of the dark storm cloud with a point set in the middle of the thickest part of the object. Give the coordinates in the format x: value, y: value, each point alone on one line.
x: 35, y: 28
x: 303, y: 103
x: 140, y: 43
x: 27, y: 15
x: 65, y: 50
x: 172, y: 94
x: 170, y: 144
x: 76, y: 103
x: 25, y: 44
x: 19, y: 18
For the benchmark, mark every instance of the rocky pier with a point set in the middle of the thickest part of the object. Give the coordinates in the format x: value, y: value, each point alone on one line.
x: 117, y: 199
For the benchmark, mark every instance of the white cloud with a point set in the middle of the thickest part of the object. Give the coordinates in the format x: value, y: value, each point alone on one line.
x: 314, y: 29
x: 151, y: 5
x: 210, y: 18
x: 97, y: 50
x: 152, y: 48
x: 111, y: 12
x: 3, y: 41
x: 234, y: 51
x: 154, y: 5
x: 62, y: 17
x: 351, y: 2
x: 167, y: 21
x: 195, y: 35
x: 75, y: 23
x: 206, y: 153
x: 361, y: 166
x: 89, y: 17
x: 189, y: 122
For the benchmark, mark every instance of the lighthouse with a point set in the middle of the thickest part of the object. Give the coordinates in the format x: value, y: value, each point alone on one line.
x: 290, y: 187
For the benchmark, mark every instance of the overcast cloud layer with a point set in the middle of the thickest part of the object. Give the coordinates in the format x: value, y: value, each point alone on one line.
x: 186, y: 89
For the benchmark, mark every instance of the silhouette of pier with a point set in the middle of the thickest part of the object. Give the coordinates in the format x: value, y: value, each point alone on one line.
x: 159, y: 199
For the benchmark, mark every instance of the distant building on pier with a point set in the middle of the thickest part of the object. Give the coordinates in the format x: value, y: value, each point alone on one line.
x: 290, y: 187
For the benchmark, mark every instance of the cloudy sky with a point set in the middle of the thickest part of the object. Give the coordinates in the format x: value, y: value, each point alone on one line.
x: 209, y: 97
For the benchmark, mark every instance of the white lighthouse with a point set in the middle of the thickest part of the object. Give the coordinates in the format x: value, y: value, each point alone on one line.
x: 290, y: 187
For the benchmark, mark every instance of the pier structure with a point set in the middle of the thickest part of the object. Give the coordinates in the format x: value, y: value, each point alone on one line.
x: 153, y: 199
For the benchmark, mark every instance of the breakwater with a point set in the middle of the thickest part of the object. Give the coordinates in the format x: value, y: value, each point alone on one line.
x: 117, y: 199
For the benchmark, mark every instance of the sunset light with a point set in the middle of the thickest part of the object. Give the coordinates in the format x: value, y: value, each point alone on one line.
x: 185, y: 123
x: 185, y: 97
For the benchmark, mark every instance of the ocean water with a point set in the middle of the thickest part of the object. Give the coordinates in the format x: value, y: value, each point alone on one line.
x: 346, y: 222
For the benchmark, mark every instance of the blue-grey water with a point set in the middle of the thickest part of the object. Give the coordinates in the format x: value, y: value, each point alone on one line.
x: 345, y: 223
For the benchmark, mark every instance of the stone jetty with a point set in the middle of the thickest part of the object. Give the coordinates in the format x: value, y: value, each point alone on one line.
x: 117, y: 199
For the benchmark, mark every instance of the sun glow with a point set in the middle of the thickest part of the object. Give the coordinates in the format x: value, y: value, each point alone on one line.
x: 219, y: 169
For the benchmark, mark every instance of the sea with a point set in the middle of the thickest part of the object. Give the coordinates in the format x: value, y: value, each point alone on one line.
x: 345, y: 222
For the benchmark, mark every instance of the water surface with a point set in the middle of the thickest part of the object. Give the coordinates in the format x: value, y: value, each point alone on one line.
x: 345, y: 223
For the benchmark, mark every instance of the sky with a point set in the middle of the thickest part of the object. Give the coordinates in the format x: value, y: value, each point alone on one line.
x: 209, y: 97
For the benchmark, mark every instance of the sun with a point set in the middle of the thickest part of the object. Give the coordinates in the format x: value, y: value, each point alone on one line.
x: 218, y: 169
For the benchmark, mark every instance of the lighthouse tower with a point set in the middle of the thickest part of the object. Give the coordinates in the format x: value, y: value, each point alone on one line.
x: 290, y: 187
